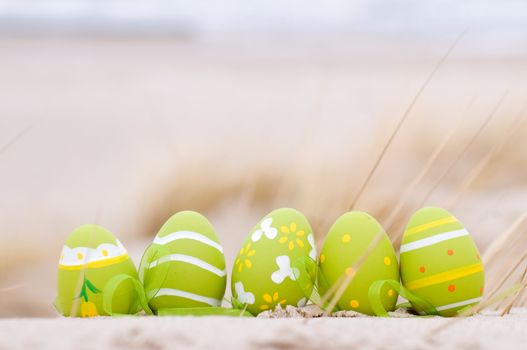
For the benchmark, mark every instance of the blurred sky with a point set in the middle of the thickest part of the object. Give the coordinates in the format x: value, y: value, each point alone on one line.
x: 490, y: 19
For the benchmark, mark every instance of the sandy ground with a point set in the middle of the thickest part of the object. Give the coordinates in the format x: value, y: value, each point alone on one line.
x: 150, y: 333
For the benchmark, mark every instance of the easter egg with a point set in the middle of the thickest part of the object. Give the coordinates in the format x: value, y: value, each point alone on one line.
x: 186, y: 265
x: 349, y: 238
x: 440, y: 262
x: 263, y: 274
x: 90, y: 258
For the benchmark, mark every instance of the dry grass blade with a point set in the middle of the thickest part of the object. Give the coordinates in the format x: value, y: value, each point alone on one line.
x: 343, y: 285
x: 504, y: 279
x: 498, y: 244
x: 474, y: 174
x: 523, y: 281
x: 410, y: 188
x: 401, y: 122
x: 13, y: 287
x: 464, y: 151
x: 15, y: 139
x: 393, y: 223
x: 487, y: 301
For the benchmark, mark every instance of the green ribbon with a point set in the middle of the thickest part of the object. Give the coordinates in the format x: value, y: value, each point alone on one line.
x: 58, y: 306
x: 153, y: 282
x: 374, y: 295
x: 112, y: 285
x: 310, y: 280
x: 203, y: 311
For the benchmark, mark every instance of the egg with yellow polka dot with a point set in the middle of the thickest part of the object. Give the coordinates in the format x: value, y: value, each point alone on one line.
x: 440, y: 262
x: 90, y: 257
x: 346, y: 242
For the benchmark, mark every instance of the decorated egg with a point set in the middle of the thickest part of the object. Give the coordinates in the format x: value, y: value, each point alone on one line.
x: 185, y: 265
x: 263, y: 274
x: 440, y: 262
x: 90, y: 258
x: 347, y: 241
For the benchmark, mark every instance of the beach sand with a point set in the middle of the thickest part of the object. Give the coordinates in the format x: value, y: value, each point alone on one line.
x: 150, y: 333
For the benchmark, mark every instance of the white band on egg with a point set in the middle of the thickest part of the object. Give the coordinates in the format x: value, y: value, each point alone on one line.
x: 195, y: 236
x: 425, y: 242
x: 180, y: 293
x: 189, y: 260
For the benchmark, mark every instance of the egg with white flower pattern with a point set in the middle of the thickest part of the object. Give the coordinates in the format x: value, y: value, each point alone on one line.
x: 440, y: 262
x: 185, y: 266
x: 350, y: 237
x: 263, y: 274
x: 90, y: 257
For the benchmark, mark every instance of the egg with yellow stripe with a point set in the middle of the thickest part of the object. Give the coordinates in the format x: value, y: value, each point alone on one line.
x: 353, y: 235
x: 184, y: 266
x: 90, y: 257
x: 440, y: 262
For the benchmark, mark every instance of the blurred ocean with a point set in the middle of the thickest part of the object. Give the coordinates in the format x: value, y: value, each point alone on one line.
x: 501, y: 26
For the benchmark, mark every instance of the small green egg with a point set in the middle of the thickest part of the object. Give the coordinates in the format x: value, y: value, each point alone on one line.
x: 90, y: 258
x: 263, y: 274
x: 440, y: 262
x: 347, y: 240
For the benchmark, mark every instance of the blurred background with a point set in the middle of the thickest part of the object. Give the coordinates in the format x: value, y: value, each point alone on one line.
x: 122, y: 113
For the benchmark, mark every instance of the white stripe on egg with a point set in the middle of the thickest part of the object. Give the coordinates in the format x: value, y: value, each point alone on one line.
x: 432, y: 240
x: 195, y: 236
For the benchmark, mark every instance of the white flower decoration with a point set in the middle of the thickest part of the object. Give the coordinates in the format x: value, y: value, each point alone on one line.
x: 313, y: 252
x: 284, y: 270
x: 265, y: 229
x: 243, y: 296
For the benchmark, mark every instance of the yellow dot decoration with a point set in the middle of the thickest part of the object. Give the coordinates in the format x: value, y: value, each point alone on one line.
x: 354, y: 304
x: 80, y: 256
x: 390, y: 293
x: 322, y: 258
x: 387, y: 261
x: 104, y: 252
x: 349, y: 271
x: 346, y: 238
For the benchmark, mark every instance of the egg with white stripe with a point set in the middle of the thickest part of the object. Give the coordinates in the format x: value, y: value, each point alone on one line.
x: 185, y: 265
x: 351, y: 236
x: 90, y: 257
x: 264, y: 273
x: 440, y: 262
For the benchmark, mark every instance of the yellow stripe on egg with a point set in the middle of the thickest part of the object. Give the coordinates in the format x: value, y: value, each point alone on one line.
x: 95, y: 264
x: 429, y: 225
x: 444, y: 276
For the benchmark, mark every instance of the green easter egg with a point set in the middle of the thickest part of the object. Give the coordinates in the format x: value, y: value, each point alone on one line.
x: 263, y: 275
x: 347, y: 240
x: 440, y: 262
x: 187, y: 266
x: 90, y: 258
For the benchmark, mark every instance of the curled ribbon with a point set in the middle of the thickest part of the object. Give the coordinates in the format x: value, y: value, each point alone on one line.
x: 374, y: 295
x: 113, y: 284
x: 150, y: 283
x: 310, y: 280
x: 203, y: 311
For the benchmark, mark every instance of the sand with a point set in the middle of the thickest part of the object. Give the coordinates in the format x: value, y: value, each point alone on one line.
x: 480, y: 332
